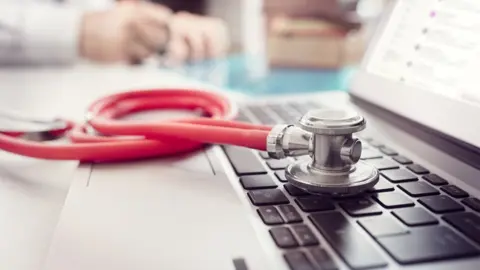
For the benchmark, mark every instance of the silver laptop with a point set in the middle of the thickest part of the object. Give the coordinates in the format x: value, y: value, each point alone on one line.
x: 231, y: 208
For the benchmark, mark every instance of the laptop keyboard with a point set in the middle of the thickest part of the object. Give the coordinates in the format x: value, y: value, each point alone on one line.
x: 413, y: 214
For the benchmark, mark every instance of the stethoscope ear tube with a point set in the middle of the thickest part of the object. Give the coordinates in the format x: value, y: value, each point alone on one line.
x: 325, y: 135
x: 115, y: 139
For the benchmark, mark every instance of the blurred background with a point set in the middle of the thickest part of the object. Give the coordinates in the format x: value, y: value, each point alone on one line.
x: 280, y: 46
x: 275, y: 46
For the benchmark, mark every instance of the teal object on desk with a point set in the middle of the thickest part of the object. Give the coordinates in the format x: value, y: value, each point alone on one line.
x: 249, y: 75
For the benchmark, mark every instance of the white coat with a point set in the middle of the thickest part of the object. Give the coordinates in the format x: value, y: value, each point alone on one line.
x: 36, y: 32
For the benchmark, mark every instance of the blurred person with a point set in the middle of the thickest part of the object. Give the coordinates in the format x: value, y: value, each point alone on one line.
x: 43, y: 32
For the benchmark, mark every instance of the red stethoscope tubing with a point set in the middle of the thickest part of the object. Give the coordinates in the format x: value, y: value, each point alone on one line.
x: 127, y: 139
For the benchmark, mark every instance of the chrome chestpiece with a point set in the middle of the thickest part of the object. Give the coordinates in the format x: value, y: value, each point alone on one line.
x: 334, y: 167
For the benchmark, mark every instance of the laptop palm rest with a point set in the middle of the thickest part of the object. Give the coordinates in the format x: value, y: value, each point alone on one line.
x: 170, y: 213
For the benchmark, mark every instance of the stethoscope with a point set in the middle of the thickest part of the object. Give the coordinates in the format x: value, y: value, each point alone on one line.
x: 325, y: 135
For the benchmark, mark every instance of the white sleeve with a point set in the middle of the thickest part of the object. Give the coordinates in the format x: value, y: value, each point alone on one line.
x: 36, y: 33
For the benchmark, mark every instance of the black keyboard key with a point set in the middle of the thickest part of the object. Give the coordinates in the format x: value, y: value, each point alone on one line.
x: 345, y: 238
x: 417, y: 189
x: 393, y: 200
x: 276, y: 164
x: 257, y: 181
x: 297, y: 260
x: 473, y: 203
x: 285, y: 112
x: 370, y: 154
x: 418, y: 169
x: 364, y: 137
x: 415, y: 216
x: 312, y: 204
x: 383, y: 164
x: 304, y: 235
x: 304, y: 107
x: 283, y: 237
x: 402, y: 160
x: 242, y: 117
x: 281, y: 175
x: 399, y: 176
x: 244, y: 160
x: 239, y: 264
x: 427, y: 244
x: 264, y: 155
x: 364, y: 140
x: 290, y: 214
x: 303, y: 158
x: 300, y: 110
x: 360, y: 207
x: 467, y: 223
x: 262, y: 115
x: 382, y: 226
x: 382, y: 186
x: 441, y: 204
x: 388, y: 151
x: 267, y: 197
x: 270, y: 215
x: 454, y: 191
x: 323, y: 260
x: 435, y: 179
x: 295, y: 191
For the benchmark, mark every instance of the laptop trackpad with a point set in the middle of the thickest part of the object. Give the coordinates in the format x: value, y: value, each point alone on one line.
x: 179, y: 213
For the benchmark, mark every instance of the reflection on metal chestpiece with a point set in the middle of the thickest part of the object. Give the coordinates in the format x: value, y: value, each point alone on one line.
x: 333, y: 147
x: 326, y: 136
x: 287, y: 140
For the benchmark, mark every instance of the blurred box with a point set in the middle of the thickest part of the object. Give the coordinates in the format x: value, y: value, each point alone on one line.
x: 340, y: 12
x: 311, y: 43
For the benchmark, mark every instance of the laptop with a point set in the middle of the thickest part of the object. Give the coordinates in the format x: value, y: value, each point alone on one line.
x: 231, y: 208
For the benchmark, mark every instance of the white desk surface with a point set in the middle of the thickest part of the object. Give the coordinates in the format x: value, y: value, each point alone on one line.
x: 32, y: 191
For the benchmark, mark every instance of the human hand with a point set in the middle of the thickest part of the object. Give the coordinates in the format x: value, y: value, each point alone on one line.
x: 194, y: 37
x: 130, y: 32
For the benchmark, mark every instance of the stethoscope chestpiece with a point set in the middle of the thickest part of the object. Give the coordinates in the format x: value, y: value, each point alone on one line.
x: 332, y: 122
x: 31, y: 127
x: 335, y: 168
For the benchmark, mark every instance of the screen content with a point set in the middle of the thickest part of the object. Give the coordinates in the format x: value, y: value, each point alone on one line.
x: 433, y: 45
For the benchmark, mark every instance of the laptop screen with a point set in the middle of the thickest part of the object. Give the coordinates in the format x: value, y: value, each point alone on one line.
x: 433, y: 45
